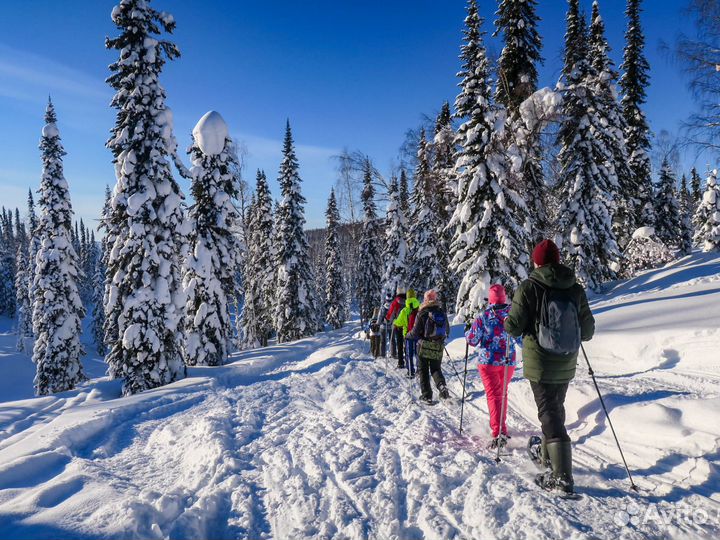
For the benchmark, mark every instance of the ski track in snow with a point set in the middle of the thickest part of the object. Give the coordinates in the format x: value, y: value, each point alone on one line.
x: 316, y: 440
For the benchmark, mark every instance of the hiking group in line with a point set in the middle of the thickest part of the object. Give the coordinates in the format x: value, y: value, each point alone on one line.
x: 549, y: 317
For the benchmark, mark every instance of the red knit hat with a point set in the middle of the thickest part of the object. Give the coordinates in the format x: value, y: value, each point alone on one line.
x: 546, y: 252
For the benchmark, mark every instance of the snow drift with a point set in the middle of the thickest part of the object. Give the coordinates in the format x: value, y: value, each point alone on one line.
x: 315, y: 440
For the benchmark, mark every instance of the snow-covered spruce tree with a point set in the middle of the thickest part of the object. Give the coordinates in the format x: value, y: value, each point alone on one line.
x: 610, y: 115
x: 687, y: 209
x: 371, y: 263
x: 143, y: 293
x: 587, y: 179
x: 334, y: 290
x: 57, y: 310
x: 8, y: 251
x: 695, y: 187
x: 645, y: 251
x: 209, y: 269
x: 489, y: 243
x: 75, y: 238
x: 395, y: 252
x: 517, y: 22
x: 98, y: 299
x: 667, y: 208
x: 634, y: 81
x: 295, y: 317
x: 443, y: 173
x: 260, y: 274
x: 404, y: 193
x: 20, y: 233
x: 98, y: 310
x: 426, y: 271
x: 707, y: 216
x: 443, y: 163
x: 33, y: 241
x: 23, y: 301
x: 248, y: 299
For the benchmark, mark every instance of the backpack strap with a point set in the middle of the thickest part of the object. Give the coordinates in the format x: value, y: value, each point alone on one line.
x: 539, y: 301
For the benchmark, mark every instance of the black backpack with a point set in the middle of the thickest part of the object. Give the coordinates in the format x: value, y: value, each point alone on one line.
x: 435, y: 326
x: 558, y: 321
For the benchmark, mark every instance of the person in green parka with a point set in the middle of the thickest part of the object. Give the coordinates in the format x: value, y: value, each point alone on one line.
x: 403, y: 323
x: 549, y: 374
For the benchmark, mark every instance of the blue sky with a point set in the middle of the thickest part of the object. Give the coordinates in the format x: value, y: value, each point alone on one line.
x: 347, y: 74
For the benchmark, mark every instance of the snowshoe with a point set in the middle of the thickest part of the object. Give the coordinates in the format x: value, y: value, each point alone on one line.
x: 534, y: 449
x: 499, y: 441
x: 410, y: 376
x: 444, y: 393
x: 427, y: 401
x: 557, y: 486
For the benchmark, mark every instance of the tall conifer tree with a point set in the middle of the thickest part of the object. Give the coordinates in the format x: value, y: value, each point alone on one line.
x: 260, y: 268
x: 426, y: 265
x: 609, y: 113
x: 588, y: 180
x: 443, y: 173
x: 143, y: 293
x: 667, y: 208
x: 295, y: 312
x: 707, y: 216
x: 209, y: 268
x: 517, y: 22
x: 334, y: 290
x: 369, y: 280
x: 57, y: 310
x: 634, y: 82
x: 490, y: 242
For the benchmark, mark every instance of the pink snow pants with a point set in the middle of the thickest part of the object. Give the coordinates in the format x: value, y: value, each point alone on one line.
x: 492, y: 378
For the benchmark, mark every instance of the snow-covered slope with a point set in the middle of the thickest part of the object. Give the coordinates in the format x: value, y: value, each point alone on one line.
x: 315, y: 440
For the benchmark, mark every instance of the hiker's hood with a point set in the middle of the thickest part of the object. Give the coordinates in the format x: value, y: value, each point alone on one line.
x: 412, y: 303
x: 555, y: 275
x: 430, y: 305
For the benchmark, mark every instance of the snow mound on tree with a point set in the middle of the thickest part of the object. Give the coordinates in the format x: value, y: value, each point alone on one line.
x: 210, y: 133
x: 50, y: 130
x: 644, y: 232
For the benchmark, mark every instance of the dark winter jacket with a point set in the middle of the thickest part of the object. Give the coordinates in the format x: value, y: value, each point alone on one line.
x: 418, y: 329
x: 538, y: 364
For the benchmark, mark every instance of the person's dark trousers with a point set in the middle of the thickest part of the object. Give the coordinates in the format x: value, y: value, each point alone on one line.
x: 410, y: 356
x: 428, y: 368
x: 398, y: 342
x: 550, y: 401
x: 375, y: 345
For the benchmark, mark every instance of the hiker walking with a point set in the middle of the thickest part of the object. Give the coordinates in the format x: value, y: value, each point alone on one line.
x: 383, y: 322
x: 375, y: 334
x: 431, y: 329
x: 397, y: 340
x: 550, y: 310
x: 402, y: 323
x: 496, y: 360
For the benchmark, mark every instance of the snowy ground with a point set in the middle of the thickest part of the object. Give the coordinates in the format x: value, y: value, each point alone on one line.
x: 315, y: 440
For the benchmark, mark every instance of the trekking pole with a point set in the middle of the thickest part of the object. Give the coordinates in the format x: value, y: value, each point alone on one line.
x: 462, y: 401
x: 503, y: 402
x: 602, y: 402
x: 453, y: 366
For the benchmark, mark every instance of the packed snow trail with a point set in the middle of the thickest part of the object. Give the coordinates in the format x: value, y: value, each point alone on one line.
x: 316, y: 440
